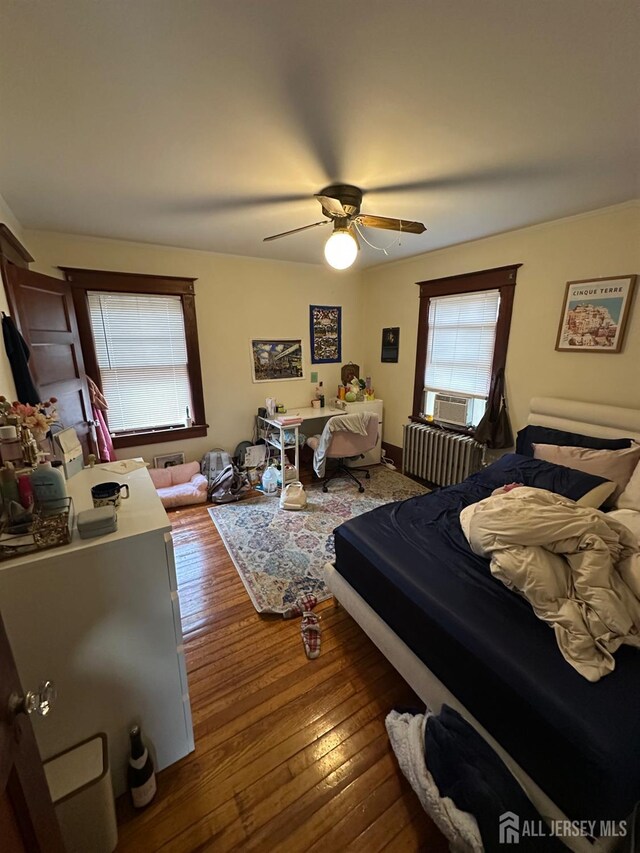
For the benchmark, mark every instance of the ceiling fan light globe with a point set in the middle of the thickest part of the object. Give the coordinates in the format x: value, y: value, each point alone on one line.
x: 340, y: 250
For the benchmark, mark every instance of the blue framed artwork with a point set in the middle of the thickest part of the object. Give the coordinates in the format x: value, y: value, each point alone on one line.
x: 326, y: 333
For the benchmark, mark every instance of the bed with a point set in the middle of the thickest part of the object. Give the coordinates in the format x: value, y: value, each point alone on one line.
x: 459, y: 637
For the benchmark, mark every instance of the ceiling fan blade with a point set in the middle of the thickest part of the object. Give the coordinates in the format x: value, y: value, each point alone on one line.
x: 403, y: 225
x: 331, y: 205
x: 295, y: 230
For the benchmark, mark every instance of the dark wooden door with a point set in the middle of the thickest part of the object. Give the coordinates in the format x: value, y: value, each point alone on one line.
x: 27, y: 819
x: 44, y: 313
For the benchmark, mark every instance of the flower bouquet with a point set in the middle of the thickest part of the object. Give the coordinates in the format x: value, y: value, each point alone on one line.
x: 38, y: 418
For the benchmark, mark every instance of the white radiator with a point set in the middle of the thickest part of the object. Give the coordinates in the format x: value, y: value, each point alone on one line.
x: 440, y: 457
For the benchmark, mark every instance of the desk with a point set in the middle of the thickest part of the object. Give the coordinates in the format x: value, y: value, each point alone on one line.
x: 308, y: 413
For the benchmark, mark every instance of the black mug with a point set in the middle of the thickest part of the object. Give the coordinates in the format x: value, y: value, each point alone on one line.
x: 109, y: 494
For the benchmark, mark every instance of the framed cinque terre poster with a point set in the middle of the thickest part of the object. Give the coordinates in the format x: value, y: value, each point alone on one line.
x: 595, y: 314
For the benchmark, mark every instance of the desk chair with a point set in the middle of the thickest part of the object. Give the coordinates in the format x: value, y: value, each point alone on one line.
x: 344, y: 444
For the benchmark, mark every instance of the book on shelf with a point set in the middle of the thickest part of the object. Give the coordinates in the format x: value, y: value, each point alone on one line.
x: 289, y: 420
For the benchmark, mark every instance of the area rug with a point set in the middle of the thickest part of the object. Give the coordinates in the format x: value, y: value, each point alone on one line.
x: 280, y: 554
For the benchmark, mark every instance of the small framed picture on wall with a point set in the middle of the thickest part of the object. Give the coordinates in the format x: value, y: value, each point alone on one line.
x: 390, y: 344
x: 169, y: 460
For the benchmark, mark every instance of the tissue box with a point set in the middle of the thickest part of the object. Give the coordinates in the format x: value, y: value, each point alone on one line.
x: 97, y: 522
x: 71, y: 451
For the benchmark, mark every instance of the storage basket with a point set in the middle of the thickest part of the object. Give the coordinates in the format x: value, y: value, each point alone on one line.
x: 50, y: 527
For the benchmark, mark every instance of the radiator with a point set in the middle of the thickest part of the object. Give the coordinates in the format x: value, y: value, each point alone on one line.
x: 440, y: 457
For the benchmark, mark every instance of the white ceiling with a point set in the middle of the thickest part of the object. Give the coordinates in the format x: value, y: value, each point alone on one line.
x: 211, y: 123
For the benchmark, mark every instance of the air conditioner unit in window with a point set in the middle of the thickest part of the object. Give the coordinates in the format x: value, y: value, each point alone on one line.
x: 452, y: 410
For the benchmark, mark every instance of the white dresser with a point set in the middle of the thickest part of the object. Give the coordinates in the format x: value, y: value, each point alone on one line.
x: 101, y: 618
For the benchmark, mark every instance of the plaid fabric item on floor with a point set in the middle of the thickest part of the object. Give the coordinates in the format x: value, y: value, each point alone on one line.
x: 311, y: 634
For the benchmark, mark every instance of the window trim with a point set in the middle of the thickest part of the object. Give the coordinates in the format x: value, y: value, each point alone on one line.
x: 499, y: 278
x: 83, y: 280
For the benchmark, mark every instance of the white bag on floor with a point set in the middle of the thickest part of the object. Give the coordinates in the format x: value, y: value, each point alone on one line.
x: 293, y: 496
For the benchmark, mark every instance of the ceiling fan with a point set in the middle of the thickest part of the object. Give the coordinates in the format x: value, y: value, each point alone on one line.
x: 341, y: 205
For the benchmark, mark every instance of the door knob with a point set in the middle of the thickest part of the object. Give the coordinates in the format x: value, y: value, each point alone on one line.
x: 40, y: 701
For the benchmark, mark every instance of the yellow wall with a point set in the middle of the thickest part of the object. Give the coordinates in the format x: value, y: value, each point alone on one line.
x: 239, y: 298
x: 602, y: 243
x: 236, y: 299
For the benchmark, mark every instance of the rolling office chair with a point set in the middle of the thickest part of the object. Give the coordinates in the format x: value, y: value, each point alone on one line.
x: 344, y: 444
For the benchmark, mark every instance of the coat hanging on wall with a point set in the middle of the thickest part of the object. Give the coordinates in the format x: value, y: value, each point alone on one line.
x: 18, y: 355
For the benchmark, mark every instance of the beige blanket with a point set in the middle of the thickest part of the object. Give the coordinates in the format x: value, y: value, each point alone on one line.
x: 579, y: 570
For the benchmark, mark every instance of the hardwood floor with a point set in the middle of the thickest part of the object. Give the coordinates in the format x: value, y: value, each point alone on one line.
x: 290, y: 754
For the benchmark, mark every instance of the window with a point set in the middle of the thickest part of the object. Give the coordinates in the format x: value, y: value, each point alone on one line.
x: 140, y: 345
x: 462, y: 338
x: 462, y: 334
x: 141, y: 350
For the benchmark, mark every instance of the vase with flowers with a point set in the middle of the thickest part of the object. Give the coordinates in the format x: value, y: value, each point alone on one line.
x: 37, y: 418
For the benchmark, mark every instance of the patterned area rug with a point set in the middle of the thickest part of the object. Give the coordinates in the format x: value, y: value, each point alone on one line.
x: 279, y: 554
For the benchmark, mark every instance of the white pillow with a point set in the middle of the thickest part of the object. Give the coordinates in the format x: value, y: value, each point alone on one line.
x: 630, y: 498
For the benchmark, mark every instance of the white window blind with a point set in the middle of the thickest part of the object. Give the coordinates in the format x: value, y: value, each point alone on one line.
x: 462, y: 334
x: 142, y: 355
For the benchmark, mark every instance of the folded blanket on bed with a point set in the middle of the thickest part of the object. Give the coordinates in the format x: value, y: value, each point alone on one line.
x: 468, y: 771
x: 406, y: 734
x: 462, y: 783
x: 579, y: 570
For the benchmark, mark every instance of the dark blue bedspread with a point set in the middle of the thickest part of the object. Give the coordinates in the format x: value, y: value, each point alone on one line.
x: 412, y: 564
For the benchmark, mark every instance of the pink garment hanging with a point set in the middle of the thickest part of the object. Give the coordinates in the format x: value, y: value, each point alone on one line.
x: 103, y: 437
x: 106, y: 453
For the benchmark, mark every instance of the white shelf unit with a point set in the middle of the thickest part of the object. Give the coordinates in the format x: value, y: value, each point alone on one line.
x: 270, y: 424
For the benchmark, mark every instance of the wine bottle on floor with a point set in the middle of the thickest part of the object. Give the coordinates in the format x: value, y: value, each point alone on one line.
x: 141, y: 775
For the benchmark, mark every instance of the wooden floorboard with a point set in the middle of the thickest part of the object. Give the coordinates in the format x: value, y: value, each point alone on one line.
x: 290, y: 754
